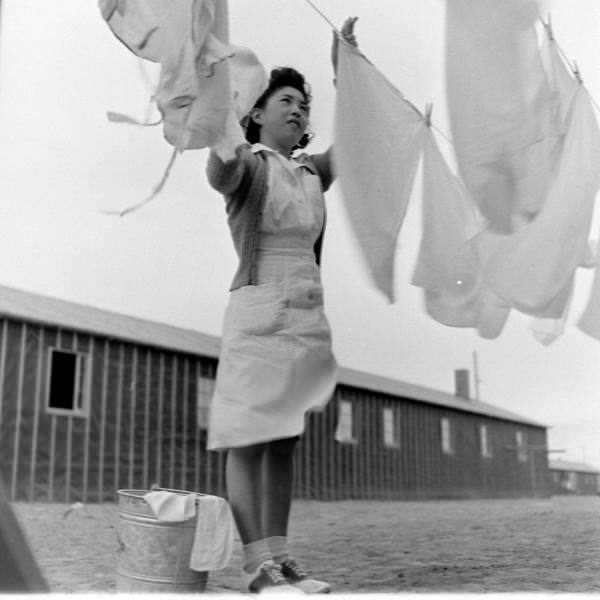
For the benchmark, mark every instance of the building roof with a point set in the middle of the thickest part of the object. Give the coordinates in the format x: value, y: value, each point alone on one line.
x: 565, y: 465
x: 45, y: 310
x: 394, y: 387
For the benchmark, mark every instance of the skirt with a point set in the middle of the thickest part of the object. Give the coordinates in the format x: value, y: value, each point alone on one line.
x: 276, y: 361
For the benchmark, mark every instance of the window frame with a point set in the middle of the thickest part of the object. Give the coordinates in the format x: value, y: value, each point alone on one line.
x: 485, y: 445
x: 351, y: 438
x: 394, y: 413
x: 206, y: 388
x: 81, y: 387
x: 446, y: 439
x: 521, y: 445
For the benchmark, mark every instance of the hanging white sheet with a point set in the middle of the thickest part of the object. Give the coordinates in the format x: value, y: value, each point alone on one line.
x: 377, y: 143
x: 448, y: 265
x: 498, y: 101
x: 206, y: 85
x: 546, y: 331
x: 533, y: 269
x: 590, y: 320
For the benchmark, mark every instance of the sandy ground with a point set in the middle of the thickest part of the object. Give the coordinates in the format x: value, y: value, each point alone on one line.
x: 544, y: 545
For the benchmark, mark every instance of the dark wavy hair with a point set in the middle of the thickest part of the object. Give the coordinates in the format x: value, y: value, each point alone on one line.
x: 280, y: 77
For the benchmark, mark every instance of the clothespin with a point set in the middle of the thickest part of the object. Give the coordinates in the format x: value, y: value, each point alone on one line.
x: 576, y: 72
x: 428, y: 111
x: 548, y: 27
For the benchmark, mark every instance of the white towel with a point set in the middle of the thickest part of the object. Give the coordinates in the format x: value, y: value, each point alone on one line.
x: 213, y: 537
x: 213, y: 540
x: 172, y: 507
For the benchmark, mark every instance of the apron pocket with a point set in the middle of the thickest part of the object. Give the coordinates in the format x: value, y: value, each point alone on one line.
x: 257, y: 309
x: 305, y: 294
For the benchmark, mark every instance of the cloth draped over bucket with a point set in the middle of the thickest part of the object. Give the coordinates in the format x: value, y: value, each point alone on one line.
x: 206, y: 84
x: 213, y: 537
x: 377, y: 141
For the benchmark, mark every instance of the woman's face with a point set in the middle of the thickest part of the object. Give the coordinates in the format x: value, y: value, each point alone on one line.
x: 283, y: 119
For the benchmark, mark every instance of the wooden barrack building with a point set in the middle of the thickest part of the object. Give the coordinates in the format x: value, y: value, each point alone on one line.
x: 570, y: 477
x: 92, y: 401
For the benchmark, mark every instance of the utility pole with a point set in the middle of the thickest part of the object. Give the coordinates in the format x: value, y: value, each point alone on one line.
x: 531, y: 450
x: 476, y: 375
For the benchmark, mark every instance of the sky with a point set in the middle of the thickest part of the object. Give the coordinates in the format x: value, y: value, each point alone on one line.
x: 62, y: 163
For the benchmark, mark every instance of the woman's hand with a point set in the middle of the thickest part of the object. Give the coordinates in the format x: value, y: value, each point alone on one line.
x: 347, y: 33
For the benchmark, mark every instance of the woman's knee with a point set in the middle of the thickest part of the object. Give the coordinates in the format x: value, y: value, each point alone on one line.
x: 283, y: 447
x: 248, y: 452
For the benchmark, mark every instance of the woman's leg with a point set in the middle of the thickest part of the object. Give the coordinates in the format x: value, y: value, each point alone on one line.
x: 277, y: 481
x: 244, y: 490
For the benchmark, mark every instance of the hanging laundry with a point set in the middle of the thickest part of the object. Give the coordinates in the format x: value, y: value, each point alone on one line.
x: 377, y: 143
x: 533, y: 268
x: 214, y: 530
x: 547, y: 331
x: 498, y: 101
x: 206, y: 85
x: 136, y: 23
x: 590, y: 320
x: 448, y: 265
x: 562, y: 83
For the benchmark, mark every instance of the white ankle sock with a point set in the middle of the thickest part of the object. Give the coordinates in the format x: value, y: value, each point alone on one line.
x: 255, y: 553
x: 278, y: 547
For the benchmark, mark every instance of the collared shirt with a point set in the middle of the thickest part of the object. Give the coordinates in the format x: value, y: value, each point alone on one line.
x: 294, y: 198
x: 243, y: 181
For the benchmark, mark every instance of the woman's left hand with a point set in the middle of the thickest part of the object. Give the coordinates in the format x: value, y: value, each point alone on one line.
x: 347, y: 33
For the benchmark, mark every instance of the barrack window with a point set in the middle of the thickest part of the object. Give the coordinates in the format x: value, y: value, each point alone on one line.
x: 391, y: 428
x: 204, y: 393
x: 345, y: 426
x: 446, y: 436
x: 68, y: 383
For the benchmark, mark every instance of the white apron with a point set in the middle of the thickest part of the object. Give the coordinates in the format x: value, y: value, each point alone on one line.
x: 276, y: 362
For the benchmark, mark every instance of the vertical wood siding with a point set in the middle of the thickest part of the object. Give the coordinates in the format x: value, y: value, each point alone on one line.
x: 37, y: 400
x: 142, y: 429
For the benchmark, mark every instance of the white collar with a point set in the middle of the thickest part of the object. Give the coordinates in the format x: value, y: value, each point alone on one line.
x: 258, y: 147
x: 293, y: 160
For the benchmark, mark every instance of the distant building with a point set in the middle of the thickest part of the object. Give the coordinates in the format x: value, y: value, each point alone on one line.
x: 574, y: 478
x: 92, y: 401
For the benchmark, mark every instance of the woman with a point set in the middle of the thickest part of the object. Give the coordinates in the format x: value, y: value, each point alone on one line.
x: 276, y: 362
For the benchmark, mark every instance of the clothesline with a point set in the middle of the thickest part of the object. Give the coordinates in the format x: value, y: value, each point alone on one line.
x: 413, y: 106
x: 548, y: 27
x: 323, y: 16
x: 571, y: 64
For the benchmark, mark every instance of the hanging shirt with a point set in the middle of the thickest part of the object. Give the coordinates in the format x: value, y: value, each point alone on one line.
x: 499, y: 106
x: 206, y: 84
x: 534, y: 268
x: 290, y: 203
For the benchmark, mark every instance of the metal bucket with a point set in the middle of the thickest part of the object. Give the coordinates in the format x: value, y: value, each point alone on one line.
x: 154, y: 556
